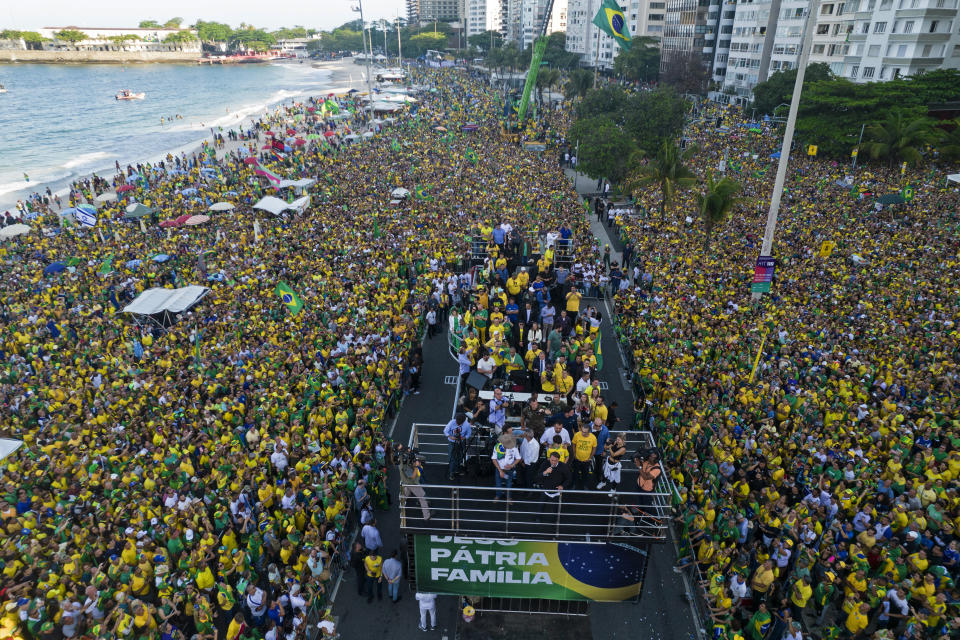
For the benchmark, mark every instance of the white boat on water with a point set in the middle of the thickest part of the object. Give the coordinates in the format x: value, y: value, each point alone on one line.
x: 126, y: 94
x: 3, y: 89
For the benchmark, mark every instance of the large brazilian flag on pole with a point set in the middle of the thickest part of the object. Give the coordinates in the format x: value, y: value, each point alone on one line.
x: 610, y: 20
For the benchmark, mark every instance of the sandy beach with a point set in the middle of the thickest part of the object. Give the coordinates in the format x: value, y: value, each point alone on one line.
x: 344, y: 76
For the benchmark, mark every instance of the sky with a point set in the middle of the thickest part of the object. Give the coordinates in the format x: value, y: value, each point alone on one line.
x: 319, y: 14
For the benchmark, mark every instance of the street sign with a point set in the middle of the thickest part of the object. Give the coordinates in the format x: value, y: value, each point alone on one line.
x: 763, y: 274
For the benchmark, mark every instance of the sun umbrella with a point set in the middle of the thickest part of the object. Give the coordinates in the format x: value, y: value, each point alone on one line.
x: 56, y: 267
x: 249, y: 160
x: 368, y: 134
x: 299, y: 142
x: 137, y: 210
x: 267, y: 147
x: 221, y: 206
x: 189, y: 191
x: 133, y: 264
x: 103, y: 198
x: 193, y: 221
x: 291, y: 132
x: 14, y: 230
x: 124, y: 188
x: 160, y: 257
x: 329, y: 134
x: 270, y: 133
x: 169, y: 223
x: 181, y: 219
x: 313, y: 136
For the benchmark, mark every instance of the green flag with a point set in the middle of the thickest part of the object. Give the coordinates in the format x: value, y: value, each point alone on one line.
x: 611, y: 21
x: 471, y: 155
x: 107, y: 265
x: 598, y: 351
x: 289, y: 297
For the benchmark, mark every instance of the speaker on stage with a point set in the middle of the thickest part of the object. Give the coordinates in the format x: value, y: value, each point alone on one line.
x: 477, y: 380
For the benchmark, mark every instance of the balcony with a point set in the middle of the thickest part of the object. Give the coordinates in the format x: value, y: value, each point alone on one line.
x: 927, y: 38
x: 466, y: 507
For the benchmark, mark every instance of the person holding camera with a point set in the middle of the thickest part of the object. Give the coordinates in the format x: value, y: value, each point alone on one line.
x: 411, y: 469
x: 457, y: 432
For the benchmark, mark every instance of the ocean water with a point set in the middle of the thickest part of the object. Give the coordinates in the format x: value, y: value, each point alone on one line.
x: 59, y: 122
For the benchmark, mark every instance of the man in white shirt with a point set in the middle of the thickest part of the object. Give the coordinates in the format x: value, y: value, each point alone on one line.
x: 583, y: 382
x: 487, y: 365
x: 529, y: 457
x: 556, y: 430
x: 279, y: 459
x: 428, y: 604
x: 505, y: 458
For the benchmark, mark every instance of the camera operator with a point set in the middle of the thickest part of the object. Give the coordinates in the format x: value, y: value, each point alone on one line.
x: 457, y: 432
x: 498, y: 410
x: 411, y: 469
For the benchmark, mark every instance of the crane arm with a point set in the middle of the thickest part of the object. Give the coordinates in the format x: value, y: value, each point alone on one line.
x: 539, y: 48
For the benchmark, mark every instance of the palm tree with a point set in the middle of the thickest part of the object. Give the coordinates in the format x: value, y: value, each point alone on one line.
x: 950, y: 141
x: 716, y: 201
x: 666, y: 170
x: 578, y: 84
x: 898, y: 137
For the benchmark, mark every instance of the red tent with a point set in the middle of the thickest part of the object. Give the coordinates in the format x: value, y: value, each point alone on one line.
x: 126, y: 187
x: 299, y: 142
x: 291, y: 132
x: 329, y: 134
x: 250, y: 160
x: 168, y: 223
x: 182, y: 219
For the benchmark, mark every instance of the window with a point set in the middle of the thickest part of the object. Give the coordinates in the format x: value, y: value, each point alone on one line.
x: 868, y: 72
x: 956, y: 50
x: 908, y: 26
x: 865, y: 27
x: 896, y: 73
x: 933, y: 26
x: 854, y: 70
x: 880, y: 27
x: 883, y: 72
x: 818, y: 49
x: 902, y: 51
x: 926, y: 51
x: 823, y: 29
x: 655, y: 17
x: 658, y: 5
x: 873, y: 51
x: 826, y: 10
x: 840, y: 8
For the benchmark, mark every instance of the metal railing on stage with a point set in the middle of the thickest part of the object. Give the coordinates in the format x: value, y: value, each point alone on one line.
x: 469, y: 508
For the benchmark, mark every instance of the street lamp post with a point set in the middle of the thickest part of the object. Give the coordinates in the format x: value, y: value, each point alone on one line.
x: 784, y: 160
x: 859, y: 142
x: 362, y: 28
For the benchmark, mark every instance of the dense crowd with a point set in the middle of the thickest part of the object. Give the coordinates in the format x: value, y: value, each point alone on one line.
x: 812, y: 435
x: 194, y: 480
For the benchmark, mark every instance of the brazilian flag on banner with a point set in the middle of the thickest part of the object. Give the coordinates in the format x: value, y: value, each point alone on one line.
x: 610, y: 20
x: 395, y: 146
x: 289, y: 297
x: 471, y: 155
x: 907, y: 193
x: 420, y: 192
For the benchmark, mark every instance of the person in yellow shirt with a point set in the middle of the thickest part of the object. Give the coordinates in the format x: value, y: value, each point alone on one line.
x: 857, y: 620
x: 373, y: 566
x: 799, y: 596
x: 584, y: 447
x: 236, y: 626
x: 573, y: 298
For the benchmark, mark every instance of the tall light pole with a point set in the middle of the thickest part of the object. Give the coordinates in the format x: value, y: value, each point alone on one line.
x: 359, y: 8
x: 788, y: 134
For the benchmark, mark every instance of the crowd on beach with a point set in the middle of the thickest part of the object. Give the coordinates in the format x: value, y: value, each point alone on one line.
x: 194, y: 478
x: 812, y: 435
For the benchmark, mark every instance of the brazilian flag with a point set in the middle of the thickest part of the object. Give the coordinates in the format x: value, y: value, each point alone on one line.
x: 420, y: 192
x: 395, y: 146
x: 289, y: 297
x: 610, y: 20
x: 907, y: 193
x: 471, y: 155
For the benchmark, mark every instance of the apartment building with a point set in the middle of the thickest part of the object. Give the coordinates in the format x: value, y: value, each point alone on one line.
x: 481, y: 15
x: 644, y: 18
x: 684, y: 29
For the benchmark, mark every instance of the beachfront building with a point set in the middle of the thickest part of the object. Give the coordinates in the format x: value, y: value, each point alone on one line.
x: 105, y: 33
x: 861, y: 40
x: 430, y: 10
x: 119, y: 39
x: 644, y: 18
x: 481, y: 16
x: 530, y: 15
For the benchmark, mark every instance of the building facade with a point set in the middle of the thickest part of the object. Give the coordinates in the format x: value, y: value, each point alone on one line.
x: 531, y: 14
x: 644, y: 18
x: 685, y: 30
x: 481, y: 15
x: 430, y: 10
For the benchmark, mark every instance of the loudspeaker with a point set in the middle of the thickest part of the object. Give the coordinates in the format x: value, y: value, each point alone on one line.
x: 477, y: 380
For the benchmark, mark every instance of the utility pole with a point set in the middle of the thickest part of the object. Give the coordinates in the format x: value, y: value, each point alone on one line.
x: 775, y: 197
x: 859, y: 142
x: 362, y: 24
x: 399, y: 47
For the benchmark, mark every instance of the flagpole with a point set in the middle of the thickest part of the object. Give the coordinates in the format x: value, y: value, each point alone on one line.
x: 596, y: 60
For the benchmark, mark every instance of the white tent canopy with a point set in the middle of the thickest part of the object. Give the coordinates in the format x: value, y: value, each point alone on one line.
x: 276, y: 206
x: 221, y: 206
x: 954, y: 177
x: 8, y: 446
x: 400, y: 192
x: 157, y: 304
x: 302, y: 183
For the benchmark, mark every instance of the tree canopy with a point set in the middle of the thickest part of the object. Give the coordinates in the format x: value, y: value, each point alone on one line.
x: 71, y: 35
x: 213, y: 31
x: 778, y: 88
x: 173, y: 23
x: 180, y: 37
x: 604, y: 151
x: 149, y: 24
x: 640, y: 63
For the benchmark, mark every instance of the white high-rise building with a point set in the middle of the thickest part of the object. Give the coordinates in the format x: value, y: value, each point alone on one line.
x: 531, y: 19
x: 480, y: 16
x: 862, y: 40
x: 644, y: 18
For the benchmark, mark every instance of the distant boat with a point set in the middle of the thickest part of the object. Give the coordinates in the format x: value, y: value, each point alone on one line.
x: 126, y: 94
x: 3, y: 89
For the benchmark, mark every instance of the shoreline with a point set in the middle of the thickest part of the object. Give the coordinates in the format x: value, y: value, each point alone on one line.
x: 340, y: 81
